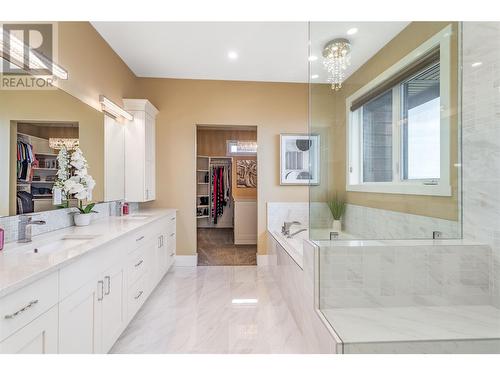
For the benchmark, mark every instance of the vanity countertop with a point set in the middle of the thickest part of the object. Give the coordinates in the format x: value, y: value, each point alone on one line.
x: 20, y: 266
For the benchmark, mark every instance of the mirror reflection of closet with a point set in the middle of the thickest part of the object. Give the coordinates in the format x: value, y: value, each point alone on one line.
x: 34, y: 161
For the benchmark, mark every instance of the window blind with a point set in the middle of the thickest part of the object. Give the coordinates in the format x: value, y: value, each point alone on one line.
x: 407, y: 72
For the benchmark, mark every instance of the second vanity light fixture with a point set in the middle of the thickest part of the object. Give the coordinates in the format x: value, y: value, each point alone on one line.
x: 336, y: 58
x: 114, y: 109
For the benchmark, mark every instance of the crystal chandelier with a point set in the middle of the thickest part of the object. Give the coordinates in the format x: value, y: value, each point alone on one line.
x: 68, y: 143
x: 337, y: 55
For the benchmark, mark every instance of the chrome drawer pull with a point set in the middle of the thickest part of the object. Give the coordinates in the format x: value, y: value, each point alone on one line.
x: 172, y: 254
x: 138, y: 264
x: 12, y: 316
x: 172, y: 234
x: 109, y: 285
x: 140, y: 238
x: 139, y: 295
x: 102, y: 290
x: 173, y: 218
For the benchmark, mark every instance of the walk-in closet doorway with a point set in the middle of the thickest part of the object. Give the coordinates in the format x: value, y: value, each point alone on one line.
x: 226, y: 195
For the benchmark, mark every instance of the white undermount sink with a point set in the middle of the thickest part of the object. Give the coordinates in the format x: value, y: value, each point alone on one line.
x: 66, y: 242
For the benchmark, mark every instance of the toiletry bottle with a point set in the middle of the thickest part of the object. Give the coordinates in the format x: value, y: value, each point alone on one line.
x: 2, y: 238
x: 125, y: 209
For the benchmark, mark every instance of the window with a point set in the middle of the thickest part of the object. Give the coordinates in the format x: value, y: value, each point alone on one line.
x: 398, y: 131
x: 241, y: 148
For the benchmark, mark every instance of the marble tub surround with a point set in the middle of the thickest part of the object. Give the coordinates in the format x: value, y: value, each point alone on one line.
x: 404, y: 273
x: 420, y: 296
x: 20, y: 266
x: 214, y: 310
x: 58, y: 219
x: 279, y: 212
x: 374, y: 223
x: 297, y: 285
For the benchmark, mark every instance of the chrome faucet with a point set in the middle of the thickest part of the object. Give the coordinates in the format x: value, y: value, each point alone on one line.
x: 25, y: 227
x: 285, y: 229
x: 291, y: 235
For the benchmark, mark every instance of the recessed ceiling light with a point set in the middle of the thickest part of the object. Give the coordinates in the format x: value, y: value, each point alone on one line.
x: 312, y: 58
x: 314, y: 76
x: 232, y: 55
x: 352, y: 31
x: 476, y: 64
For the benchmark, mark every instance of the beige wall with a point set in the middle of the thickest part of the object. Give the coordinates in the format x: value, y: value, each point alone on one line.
x: 93, y: 67
x: 273, y: 107
x: 50, y: 106
x: 323, y: 98
x: 212, y: 142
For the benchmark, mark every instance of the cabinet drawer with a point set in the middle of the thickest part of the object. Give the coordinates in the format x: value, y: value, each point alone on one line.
x: 136, y: 265
x: 136, y: 296
x: 23, y: 306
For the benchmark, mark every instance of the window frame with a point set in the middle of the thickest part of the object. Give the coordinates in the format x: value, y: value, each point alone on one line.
x: 354, y: 157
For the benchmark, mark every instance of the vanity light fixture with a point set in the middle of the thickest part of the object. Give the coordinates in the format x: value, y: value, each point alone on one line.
x: 13, y: 52
x: 114, y: 109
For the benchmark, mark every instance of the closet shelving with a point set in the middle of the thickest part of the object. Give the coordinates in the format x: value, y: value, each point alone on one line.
x: 43, y: 176
x: 202, y: 192
x: 204, y: 186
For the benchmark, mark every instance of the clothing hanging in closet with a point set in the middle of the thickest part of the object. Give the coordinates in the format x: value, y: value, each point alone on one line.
x: 25, y: 161
x: 220, y: 189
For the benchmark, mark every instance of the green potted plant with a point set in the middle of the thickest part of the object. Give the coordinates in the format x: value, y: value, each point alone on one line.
x: 337, y: 207
x: 84, y: 214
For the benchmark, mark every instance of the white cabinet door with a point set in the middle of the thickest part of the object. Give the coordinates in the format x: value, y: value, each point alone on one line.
x: 113, y: 311
x: 114, y: 159
x: 135, y: 160
x: 150, y: 155
x: 80, y: 320
x: 37, y: 337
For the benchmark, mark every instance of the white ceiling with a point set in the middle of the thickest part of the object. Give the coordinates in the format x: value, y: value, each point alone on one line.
x: 267, y: 51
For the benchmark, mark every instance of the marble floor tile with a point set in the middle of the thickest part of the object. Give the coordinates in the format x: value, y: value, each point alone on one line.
x: 213, y: 310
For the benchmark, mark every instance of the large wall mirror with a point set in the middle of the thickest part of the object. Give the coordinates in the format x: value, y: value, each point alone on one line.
x: 32, y: 125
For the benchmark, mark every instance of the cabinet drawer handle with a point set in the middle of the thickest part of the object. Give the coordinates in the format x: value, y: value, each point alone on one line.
x: 12, y: 316
x: 172, y: 254
x: 172, y: 234
x: 102, y: 290
x: 173, y: 218
x: 139, y: 263
x: 140, y: 238
x: 109, y: 285
x: 139, y: 295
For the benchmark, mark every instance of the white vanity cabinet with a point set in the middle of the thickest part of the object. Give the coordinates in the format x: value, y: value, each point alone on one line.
x: 84, y: 306
x: 140, y: 154
x: 28, y: 318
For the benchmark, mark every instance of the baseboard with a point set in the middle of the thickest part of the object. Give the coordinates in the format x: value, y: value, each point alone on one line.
x: 186, y: 260
x: 263, y: 260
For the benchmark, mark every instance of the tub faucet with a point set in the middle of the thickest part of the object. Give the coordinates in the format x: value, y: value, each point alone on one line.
x: 25, y: 227
x: 291, y: 235
x: 285, y: 229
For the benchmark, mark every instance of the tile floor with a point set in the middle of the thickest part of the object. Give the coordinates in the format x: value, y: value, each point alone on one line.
x: 216, y: 248
x: 200, y: 310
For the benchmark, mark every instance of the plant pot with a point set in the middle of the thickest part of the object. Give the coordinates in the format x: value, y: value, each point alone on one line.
x: 337, y: 226
x: 82, y: 220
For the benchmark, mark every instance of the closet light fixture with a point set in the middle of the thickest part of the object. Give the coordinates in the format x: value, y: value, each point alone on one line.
x: 68, y: 143
x: 12, y: 50
x: 113, y: 109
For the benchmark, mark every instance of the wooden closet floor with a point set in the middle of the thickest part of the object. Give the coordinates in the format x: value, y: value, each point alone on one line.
x: 216, y: 248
